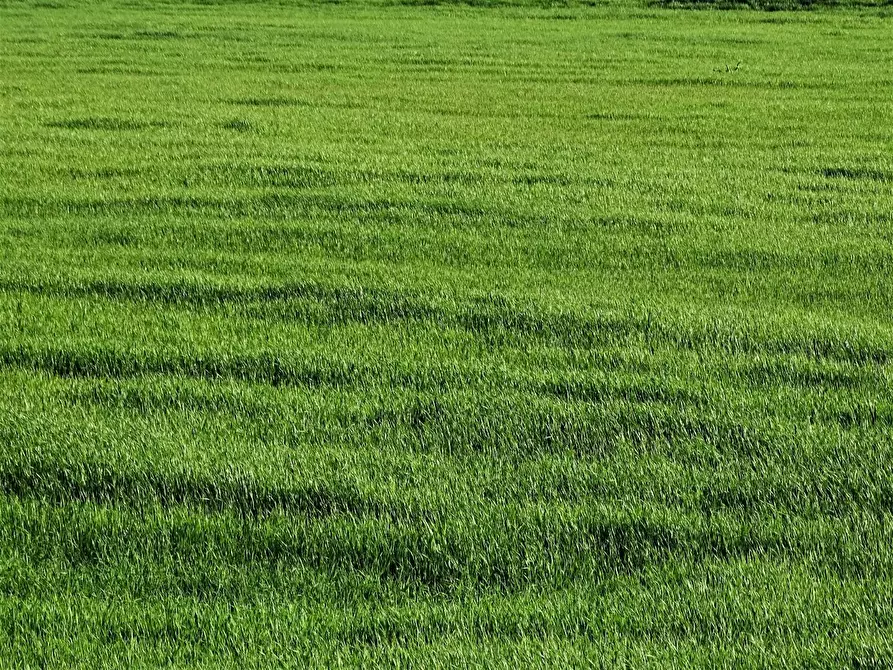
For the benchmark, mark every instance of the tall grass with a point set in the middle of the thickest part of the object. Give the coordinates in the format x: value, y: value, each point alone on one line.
x: 445, y: 334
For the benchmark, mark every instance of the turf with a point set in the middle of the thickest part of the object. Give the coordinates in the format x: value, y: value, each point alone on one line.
x: 492, y: 336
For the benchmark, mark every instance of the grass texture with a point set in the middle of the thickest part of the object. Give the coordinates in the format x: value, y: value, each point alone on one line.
x: 445, y: 336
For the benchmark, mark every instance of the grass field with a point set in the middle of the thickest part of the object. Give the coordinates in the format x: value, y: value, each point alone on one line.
x: 503, y: 336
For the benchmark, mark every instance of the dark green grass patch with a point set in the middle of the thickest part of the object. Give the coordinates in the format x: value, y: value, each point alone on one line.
x: 104, y: 123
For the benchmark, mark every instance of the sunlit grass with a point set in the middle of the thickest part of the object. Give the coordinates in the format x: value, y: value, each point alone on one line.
x: 445, y: 334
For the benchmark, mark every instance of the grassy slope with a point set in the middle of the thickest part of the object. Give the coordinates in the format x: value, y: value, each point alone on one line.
x: 346, y: 334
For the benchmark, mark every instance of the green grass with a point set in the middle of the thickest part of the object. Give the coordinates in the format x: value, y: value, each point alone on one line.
x: 506, y: 336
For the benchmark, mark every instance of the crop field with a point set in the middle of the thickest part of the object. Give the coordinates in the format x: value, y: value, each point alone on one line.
x: 440, y: 335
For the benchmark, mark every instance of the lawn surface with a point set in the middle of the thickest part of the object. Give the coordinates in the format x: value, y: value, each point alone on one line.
x: 445, y: 336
